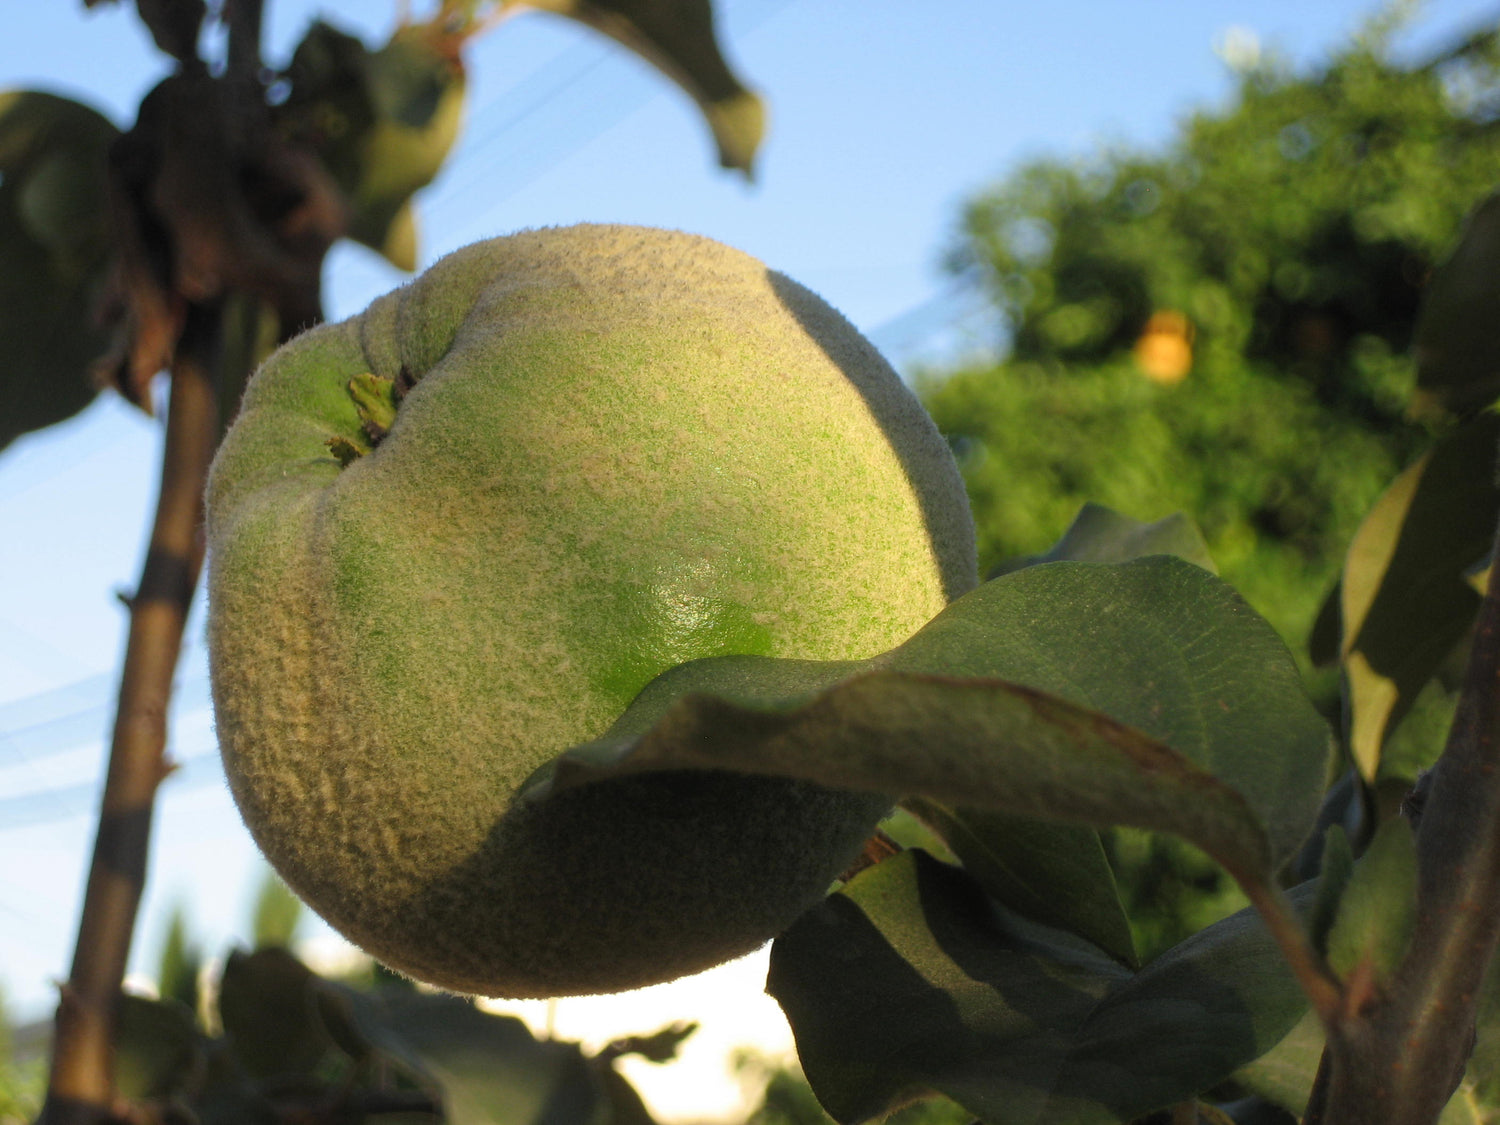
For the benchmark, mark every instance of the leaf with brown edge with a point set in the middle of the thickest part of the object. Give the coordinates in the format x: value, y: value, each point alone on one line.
x: 678, y: 38
x: 55, y: 250
x: 1011, y: 700
x: 1406, y: 598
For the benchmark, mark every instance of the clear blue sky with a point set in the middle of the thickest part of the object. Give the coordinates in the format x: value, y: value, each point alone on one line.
x: 885, y: 116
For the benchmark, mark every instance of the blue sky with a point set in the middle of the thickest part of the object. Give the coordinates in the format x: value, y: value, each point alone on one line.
x: 885, y: 116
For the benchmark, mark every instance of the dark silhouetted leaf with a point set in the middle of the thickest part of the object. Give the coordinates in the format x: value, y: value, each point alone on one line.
x: 1457, y: 341
x: 381, y: 121
x: 1405, y: 599
x: 54, y: 257
x: 677, y: 37
x: 910, y: 979
x: 158, y: 1050
x: 1013, y: 700
x: 658, y: 1047
x: 267, y: 1007
x: 174, y: 25
x: 489, y: 1068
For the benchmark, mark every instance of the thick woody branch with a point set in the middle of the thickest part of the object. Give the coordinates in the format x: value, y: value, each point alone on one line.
x: 80, y: 1089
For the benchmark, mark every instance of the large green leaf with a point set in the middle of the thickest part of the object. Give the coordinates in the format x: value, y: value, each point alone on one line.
x: 381, y: 121
x: 1457, y: 339
x: 1060, y: 874
x: 54, y: 256
x: 677, y: 37
x: 1145, y: 693
x: 1405, y: 599
x: 911, y: 980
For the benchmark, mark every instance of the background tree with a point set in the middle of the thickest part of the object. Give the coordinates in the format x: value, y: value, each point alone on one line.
x: 1195, y: 328
x: 1224, y: 327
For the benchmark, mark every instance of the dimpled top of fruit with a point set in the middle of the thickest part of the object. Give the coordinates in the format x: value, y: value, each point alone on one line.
x: 457, y: 534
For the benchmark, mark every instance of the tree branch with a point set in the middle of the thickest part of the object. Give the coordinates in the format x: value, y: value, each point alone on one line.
x: 81, y: 1085
x: 1400, y: 1061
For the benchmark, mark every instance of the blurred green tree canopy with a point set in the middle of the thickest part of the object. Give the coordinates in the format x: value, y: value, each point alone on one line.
x: 1221, y: 326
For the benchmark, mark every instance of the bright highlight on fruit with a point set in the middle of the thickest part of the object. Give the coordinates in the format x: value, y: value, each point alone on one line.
x: 457, y: 534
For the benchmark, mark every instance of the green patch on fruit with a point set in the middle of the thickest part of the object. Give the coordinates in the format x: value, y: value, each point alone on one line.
x: 375, y: 400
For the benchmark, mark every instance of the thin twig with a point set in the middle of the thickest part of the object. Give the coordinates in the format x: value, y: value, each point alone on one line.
x: 80, y: 1089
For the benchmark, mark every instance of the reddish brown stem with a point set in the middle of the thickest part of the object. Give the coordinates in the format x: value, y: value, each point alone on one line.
x: 81, y: 1085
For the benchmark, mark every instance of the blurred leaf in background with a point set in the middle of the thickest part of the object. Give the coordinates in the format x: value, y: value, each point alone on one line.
x: 54, y: 256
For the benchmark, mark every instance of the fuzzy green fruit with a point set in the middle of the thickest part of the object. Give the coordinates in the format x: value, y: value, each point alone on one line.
x: 622, y: 449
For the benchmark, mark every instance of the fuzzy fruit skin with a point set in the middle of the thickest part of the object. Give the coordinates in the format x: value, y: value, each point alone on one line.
x: 625, y: 449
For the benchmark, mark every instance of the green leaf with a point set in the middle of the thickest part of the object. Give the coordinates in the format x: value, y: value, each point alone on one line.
x: 1013, y: 700
x: 489, y: 1068
x: 1457, y: 339
x: 55, y: 253
x: 911, y: 980
x: 158, y: 1050
x: 678, y: 38
x: 1060, y: 874
x: 1378, y: 908
x: 382, y: 122
x: 1057, y: 874
x: 1100, y: 534
x: 267, y: 1007
x: 1406, y: 601
x: 1333, y: 880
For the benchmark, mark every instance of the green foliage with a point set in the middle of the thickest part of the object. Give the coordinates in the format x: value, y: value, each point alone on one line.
x: 1293, y: 227
x: 21, y: 1081
x: 1244, y: 453
x: 1293, y: 230
x: 910, y: 979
